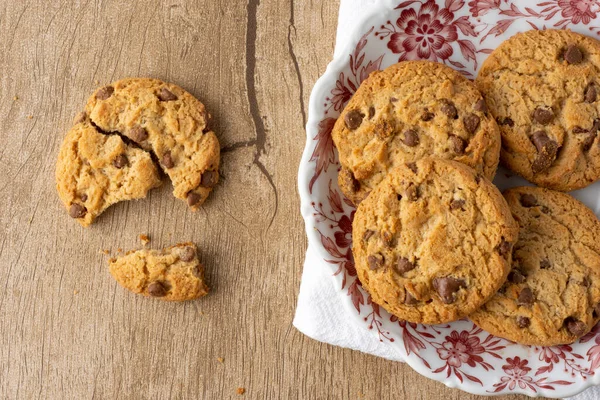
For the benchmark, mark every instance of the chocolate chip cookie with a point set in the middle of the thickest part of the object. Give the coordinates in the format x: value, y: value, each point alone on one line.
x: 168, y: 121
x: 433, y: 241
x: 552, y: 295
x: 171, y: 274
x: 406, y: 112
x: 543, y: 88
x: 94, y: 171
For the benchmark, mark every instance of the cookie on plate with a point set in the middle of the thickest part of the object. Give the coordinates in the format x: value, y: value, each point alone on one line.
x: 433, y: 241
x: 171, y: 274
x: 165, y: 119
x: 543, y: 88
x: 408, y: 111
x: 552, y: 295
x: 94, y: 171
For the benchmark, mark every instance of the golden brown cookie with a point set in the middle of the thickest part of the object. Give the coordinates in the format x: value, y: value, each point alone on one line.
x: 94, y: 171
x: 552, y: 294
x: 168, y: 121
x: 543, y: 88
x: 171, y: 274
x: 409, y: 111
x: 433, y: 241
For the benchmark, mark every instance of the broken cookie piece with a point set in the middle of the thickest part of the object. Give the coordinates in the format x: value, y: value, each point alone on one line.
x: 95, y: 170
x: 164, y: 119
x: 171, y: 274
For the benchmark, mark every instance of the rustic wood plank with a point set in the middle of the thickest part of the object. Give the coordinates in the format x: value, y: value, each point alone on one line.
x: 68, y: 330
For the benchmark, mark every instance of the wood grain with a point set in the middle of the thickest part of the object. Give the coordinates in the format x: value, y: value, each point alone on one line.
x: 68, y: 330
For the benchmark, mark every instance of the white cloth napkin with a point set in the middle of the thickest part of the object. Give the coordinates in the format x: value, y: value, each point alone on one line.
x: 320, y: 313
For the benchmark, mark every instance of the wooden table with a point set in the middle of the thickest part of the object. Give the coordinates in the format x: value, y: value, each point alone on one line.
x: 68, y: 330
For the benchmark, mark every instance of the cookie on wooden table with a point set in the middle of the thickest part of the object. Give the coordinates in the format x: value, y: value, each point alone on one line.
x: 543, y: 87
x: 409, y: 111
x: 165, y: 119
x: 433, y: 241
x: 94, y: 171
x: 552, y: 295
x: 172, y: 274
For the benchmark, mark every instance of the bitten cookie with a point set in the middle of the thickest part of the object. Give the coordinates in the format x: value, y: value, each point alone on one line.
x: 433, y: 241
x: 94, y: 171
x: 408, y: 111
x: 165, y: 119
x: 552, y: 294
x: 171, y: 274
x: 543, y: 88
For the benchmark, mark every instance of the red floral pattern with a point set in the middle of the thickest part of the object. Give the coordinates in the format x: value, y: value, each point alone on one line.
x: 459, y: 33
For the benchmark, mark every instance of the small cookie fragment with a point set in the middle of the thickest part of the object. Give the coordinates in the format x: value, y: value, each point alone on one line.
x: 240, y: 390
x: 171, y: 274
x: 145, y: 239
x: 552, y: 294
x: 428, y: 274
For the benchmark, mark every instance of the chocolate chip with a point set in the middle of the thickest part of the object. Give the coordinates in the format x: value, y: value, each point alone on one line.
x: 411, y: 193
x: 471, y: 123
x: 573, y: 54
x: 590, y: 94
x: 458, y: 144
x: 187, y: 254
x: 105, y: 92
x: 545, y: 264
x: 575, y: 326
x: 375, y: 261
x: 167, y: 160
x: 83, y: 197
x: 505, y: 121
x: 504, y: 248
x: 523, y: 322
x: 525, y: 297
x: 427, y: 116
x: 156, y: 289
x: 387, y: 238
x: 409, y: 299
x: 543, y: 115
x: 404, y: 265
x: 77, y: 211
x: 209, y: 179
x: 353, y: 119
x: 528, y: 200
x: 547, y: 150
x: 138, y: 134
x: 585, y: 282
x: 81, y: 117
x: 578, y: 129
x: 166, y: 95
x: 413, y: 167
x: 515, y: 276
x: 449, y: 109
x: 367, y: 235
x: 393, y: 99
x: 447, y: 288
x: 588, y: 141
x: 456, y: 204
x: 193, y: 198
x: 411, y: 138
x: 371, y: 112
x: 120, y: 161
x: 545, y: 210
x: 480, y: 106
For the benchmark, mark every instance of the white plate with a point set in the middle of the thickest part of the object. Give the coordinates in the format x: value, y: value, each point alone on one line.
x: 458, y: 354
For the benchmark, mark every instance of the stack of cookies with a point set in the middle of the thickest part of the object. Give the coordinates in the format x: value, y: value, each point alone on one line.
x: 433, y: 239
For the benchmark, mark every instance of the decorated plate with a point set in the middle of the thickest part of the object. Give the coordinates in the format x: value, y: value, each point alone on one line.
x: 459, y: 34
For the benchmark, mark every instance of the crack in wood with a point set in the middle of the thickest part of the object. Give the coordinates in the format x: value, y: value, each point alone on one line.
x: 295, y: 61
x: 251, y: 30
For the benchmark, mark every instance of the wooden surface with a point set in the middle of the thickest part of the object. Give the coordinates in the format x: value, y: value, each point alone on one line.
x: 68, y: 330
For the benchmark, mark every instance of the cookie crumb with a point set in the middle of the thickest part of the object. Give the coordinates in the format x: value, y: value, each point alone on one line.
x: 75, y: 291
x: 145, y: 239
x: 97, y: 82
x: 16, y: 98
x: 220, y: 359
x: 105, y: 251
x: 30, y: 117
x: 241, y: 390
x: 119, y: 250
x: 30, y: 220
x: 360, y: 394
